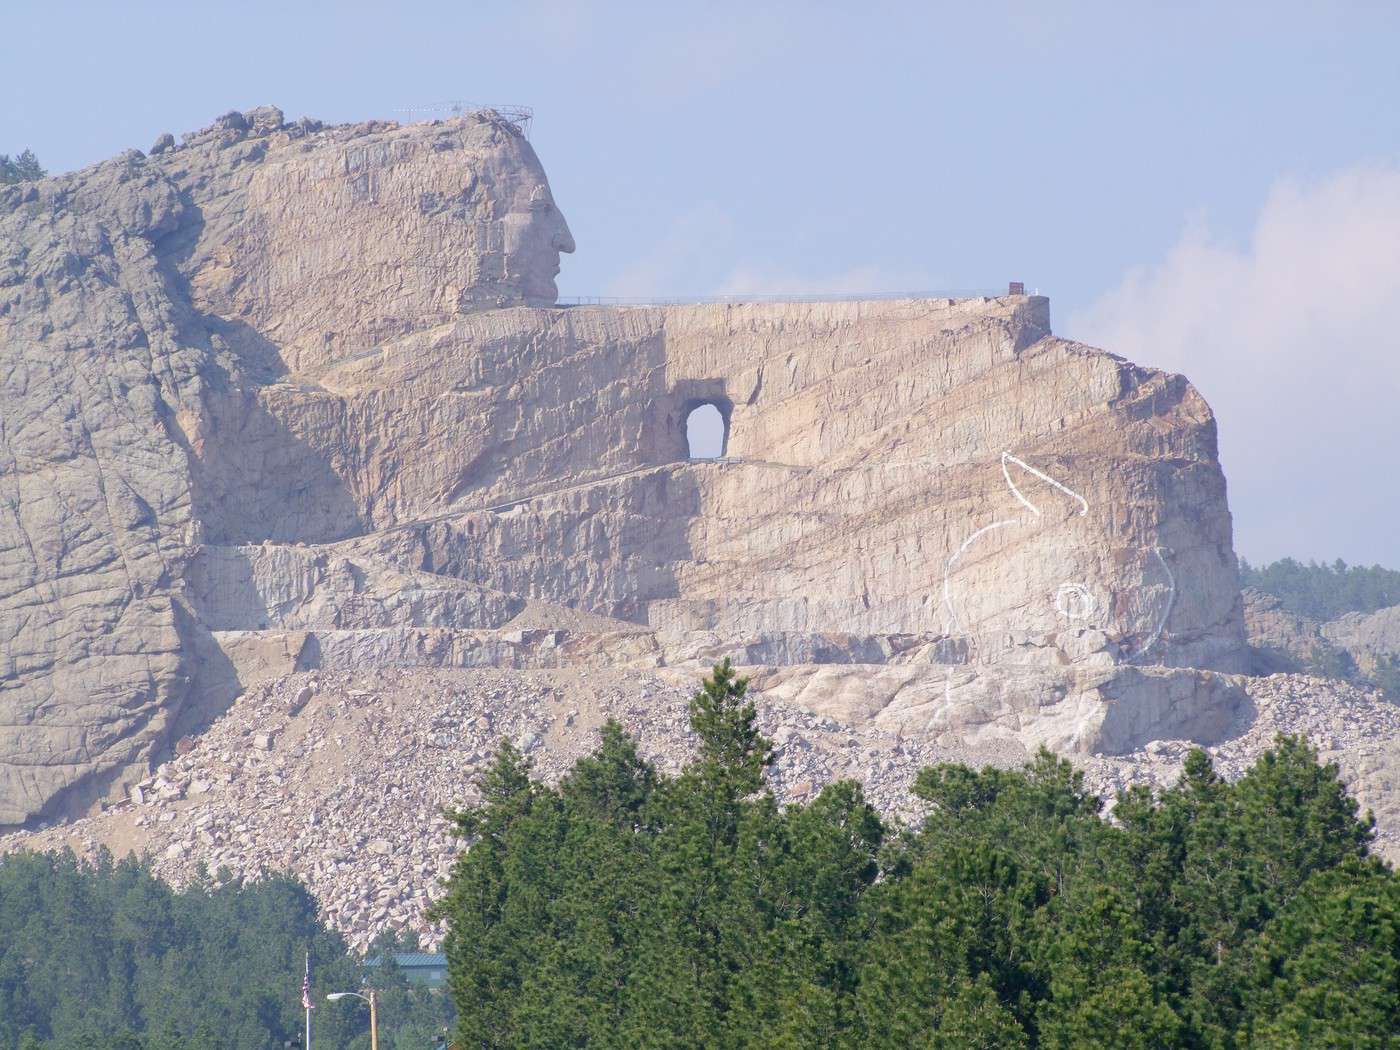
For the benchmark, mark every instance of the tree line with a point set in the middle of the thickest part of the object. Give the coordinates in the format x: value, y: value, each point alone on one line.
x: 1324, y: 592
x: 23, y: 168
x: 105, y: 956
x: 623, y: 908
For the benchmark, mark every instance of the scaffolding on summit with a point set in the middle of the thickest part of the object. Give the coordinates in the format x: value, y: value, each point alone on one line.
x: 520, y: 116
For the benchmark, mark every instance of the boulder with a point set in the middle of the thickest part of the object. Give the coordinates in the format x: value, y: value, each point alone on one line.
x: 264, y: 119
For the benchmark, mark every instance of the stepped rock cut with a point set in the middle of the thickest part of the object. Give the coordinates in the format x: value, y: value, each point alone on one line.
x: 288, y: 397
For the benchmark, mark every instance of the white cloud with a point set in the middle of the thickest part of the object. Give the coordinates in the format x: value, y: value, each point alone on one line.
x: 1294, y: 339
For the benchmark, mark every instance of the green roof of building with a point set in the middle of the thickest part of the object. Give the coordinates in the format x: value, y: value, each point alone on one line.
x: 406, y: 960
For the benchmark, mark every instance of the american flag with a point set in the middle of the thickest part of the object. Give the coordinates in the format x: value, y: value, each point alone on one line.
x: 306, y: 986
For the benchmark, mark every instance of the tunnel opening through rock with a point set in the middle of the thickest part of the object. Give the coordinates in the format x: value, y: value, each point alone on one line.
x: 706, y: 430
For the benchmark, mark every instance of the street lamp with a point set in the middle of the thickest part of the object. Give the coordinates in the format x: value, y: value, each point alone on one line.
x: 373, y: 1020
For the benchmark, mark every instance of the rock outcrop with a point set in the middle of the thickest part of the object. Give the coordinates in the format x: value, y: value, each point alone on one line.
x: 1368, y: 637
x: 1362, y: 647
x: 286, y: 398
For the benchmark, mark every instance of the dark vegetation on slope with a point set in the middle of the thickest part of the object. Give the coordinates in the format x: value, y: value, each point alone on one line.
x: 1324, y: 592
x: 625, y: 908
x: 628, y: 909
x: 105, y: 956
x: 22, y: 168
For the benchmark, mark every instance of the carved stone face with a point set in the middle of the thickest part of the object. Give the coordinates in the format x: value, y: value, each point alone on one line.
x: 333, y: 253
x: 535, y: 234
x: 506, y: 211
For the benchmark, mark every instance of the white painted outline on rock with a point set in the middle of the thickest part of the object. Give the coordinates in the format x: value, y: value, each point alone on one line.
x: 948, y: 565
x: 1008, y: 457
x: 1080, y: 593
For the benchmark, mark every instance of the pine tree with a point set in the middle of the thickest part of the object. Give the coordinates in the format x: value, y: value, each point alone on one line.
x: 23, y: 168
x: 630, y: 909
x: 733, y: 754
x: 1326, y: 971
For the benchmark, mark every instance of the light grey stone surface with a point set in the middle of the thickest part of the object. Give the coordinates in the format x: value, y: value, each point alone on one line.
x: 138, y: 304
x: 1367, y: 635
x: 286, y: 397
x: 1282, y: 641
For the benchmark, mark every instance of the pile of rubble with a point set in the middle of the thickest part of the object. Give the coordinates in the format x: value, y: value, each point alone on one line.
x: 342, y: 779
x: 1355, y: 728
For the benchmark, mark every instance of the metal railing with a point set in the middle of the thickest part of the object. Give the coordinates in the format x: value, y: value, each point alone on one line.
x: 520, y: 116
x: 798, y: 297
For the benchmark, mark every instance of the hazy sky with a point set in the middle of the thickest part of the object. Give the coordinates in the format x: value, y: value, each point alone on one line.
x: 1212, y: 188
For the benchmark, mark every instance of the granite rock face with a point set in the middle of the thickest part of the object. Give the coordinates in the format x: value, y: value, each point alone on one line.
x: 1367, y: 636
x: 1357, y: 645
x: 286, y: 398
x: 139, y: 304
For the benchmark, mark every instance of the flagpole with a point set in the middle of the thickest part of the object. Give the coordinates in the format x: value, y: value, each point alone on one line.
x: 306, y: 999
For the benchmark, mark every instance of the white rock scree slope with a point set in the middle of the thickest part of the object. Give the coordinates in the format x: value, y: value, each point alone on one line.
x: 293, y: 400
x: 341, y: 777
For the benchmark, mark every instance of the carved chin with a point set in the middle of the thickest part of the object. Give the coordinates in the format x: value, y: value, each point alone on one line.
x: 541, y: 290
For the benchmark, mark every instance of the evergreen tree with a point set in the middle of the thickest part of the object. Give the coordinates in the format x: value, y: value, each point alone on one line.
x: 1322, y: 591
x: 106, y: 955
x: 23, y: 168
x: 622, y: 908
x: 1325, y: 972
x: 627, y: 909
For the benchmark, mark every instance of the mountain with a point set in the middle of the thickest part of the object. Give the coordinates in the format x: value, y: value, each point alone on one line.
x: 311, y: 493
x: 287, y: 397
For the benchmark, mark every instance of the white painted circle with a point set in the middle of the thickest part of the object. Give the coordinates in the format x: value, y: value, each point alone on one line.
x: 1074, y: 601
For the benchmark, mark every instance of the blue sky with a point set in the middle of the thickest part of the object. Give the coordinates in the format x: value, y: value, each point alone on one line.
x: 1154, y: 171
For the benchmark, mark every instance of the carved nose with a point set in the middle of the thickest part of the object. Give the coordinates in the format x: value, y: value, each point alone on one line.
x: 563, y: 239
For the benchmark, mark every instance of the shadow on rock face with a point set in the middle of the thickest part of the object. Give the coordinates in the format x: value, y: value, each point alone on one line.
x: 1171, y: 704
x: 255, y: 480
